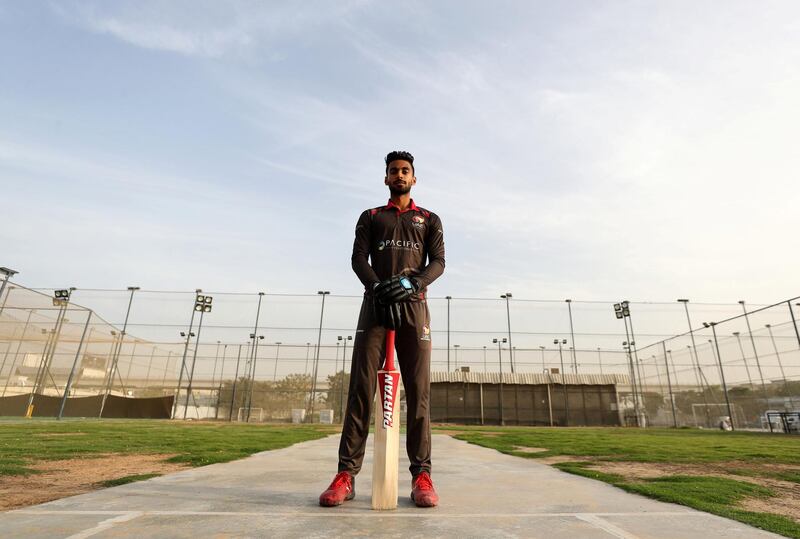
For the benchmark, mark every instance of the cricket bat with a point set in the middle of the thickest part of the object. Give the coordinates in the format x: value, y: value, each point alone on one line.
x: 387, y: 433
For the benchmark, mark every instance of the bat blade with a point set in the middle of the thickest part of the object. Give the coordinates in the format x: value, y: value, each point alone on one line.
x: 387, y: 436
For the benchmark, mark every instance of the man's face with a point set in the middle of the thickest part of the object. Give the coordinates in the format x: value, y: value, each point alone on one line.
x: 400, y: 177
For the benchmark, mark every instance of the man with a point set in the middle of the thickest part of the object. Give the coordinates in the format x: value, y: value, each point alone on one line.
x: 397, y: 238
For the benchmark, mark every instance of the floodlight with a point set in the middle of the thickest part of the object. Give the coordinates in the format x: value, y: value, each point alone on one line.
x: 198, y: 307
x: 625, y: 304
x: 619, y: 314
x: 207, y: 309
x: 8, y: 272
x: 183, y: 334
x: 626, y: 312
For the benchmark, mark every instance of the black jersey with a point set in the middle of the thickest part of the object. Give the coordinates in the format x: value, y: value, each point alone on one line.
x: 392, y: 242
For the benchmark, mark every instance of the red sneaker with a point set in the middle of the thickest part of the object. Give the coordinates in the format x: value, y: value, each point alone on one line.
x: 422, y: 492
x: 340, y: 490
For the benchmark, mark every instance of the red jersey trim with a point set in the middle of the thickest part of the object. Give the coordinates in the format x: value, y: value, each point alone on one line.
x: 411, y: 207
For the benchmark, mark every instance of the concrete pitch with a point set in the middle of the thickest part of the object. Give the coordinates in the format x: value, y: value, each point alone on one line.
x: 274, y: 494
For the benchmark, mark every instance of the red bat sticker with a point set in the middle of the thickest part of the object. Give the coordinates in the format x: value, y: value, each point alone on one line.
x: 388, y: 382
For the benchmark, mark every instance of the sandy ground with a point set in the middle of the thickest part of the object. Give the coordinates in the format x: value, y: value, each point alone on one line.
x: 61, y: 478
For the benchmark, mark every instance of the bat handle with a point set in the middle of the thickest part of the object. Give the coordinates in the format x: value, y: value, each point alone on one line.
x: 388, y: 364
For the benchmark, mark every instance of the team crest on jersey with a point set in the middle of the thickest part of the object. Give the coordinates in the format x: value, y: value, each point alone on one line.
x: 418, y: 221
x: 426, y: 334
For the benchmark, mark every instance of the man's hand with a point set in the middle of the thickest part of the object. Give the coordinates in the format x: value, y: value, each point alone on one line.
x: 397, y: 288
x: 388, y: 315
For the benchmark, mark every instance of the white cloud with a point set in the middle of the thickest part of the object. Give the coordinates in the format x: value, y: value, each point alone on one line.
x: 205, y: 29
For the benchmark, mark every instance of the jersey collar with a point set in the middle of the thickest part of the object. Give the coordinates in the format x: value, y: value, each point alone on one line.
x: 411, y: 207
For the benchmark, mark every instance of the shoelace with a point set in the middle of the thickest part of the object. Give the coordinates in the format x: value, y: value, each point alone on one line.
x: 424, y: 482
x: 341, y: 479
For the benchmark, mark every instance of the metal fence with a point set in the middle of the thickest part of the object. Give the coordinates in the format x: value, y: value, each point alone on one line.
x: 263, y: 355
x: 741, y: 367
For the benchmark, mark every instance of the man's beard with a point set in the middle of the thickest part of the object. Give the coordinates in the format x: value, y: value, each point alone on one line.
x: 397, y: 191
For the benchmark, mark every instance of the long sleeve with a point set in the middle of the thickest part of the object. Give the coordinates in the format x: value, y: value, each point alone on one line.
x: 435, y: 243
x: 360, y: 258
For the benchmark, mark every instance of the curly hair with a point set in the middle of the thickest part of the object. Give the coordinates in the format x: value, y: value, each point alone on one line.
x: 399, y: 155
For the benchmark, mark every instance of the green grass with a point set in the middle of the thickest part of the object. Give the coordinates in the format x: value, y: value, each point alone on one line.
x: 716, y: 495
x: 22, y: 443
x: 128, y: 479
x: 646, y: 445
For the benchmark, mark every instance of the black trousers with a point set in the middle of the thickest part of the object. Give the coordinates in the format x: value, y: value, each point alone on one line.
x: 413, y: 345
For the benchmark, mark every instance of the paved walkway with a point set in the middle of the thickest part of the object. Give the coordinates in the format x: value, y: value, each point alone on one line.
x: 274, y: 494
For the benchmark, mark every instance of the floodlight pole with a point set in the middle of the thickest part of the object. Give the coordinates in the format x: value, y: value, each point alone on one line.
x: 669, y: 386
x: 191, y: 373
x: 600, y: 360
x: 722, y: 374
x: 777, y: 354
x: 344, y: 370
x: 794, y: 322
x: 561, y: 342
x: 45, y: 353
x: 322, y: 293
x: 233, y: 390
x: 744, y: 359
x: 62, y: 298
x: 500, y: 357
x: 253, y: 358
x: 9, y: 273
x: 47, y: 359
x: 448, y: 298
x: 755, y: 352
x: 277, y: 356
x: 627, y: 347
x: 572, y: 336
x: 701, y: 377
x: 507, y: 296
x: 5, y: 299
x: 183, y: 359
x: 74, y: 364
x: 780, y: 364
x: 632, y: 342
x: 221, y: 374
x: 117, y: 351
x: 308, y: 347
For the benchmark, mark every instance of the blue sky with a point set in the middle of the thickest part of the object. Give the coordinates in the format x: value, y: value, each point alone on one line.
x: 593, y: 150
